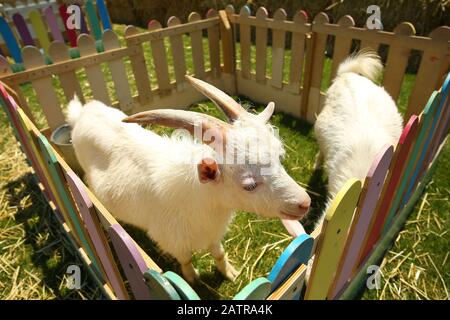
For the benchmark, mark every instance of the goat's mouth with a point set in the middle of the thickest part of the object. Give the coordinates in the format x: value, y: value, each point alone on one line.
x: 290, y: 216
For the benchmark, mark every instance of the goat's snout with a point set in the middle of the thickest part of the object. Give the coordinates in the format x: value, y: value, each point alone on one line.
x: 304, y: 206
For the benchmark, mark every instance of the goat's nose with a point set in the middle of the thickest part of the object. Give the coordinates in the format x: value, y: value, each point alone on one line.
x: 304, y: 206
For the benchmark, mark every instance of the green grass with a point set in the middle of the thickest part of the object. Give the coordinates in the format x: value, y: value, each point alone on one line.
x: 34, y: 255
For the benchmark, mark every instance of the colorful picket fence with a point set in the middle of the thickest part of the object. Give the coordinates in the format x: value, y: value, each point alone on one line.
x: 40, y: 23
x: 360, y: 218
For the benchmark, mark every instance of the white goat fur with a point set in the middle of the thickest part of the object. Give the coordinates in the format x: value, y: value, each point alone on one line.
x: 357, y: 120
x: 144, y: 179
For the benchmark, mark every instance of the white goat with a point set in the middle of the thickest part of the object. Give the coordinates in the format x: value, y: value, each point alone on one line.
x: 357, y: 119
x: 175, y: 187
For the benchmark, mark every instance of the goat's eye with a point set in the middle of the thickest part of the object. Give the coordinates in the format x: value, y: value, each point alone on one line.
x: 250, y: 186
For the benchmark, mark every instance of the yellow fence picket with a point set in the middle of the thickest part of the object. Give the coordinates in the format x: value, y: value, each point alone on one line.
x: 397, y: 61
x: 118, y: 72
x: 332, y: 240
x: 43, y: 87
x: 139, y: 68
x: 278, y: 45
x: 95, y: 76
x: 342, y: 45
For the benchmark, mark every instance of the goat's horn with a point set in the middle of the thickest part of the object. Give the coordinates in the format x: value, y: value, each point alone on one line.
x: 188, y: 120
x: 265, y: 115
x: 228, y: 105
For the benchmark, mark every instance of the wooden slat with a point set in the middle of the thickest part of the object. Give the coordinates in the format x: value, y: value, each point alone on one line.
x: 370, y: 194
x: 10, y: 40
x: 94, y: 73
x: 73, y: 217
x: 59, y: 52
x: 5, y: 71
x: 53, y: 24
x: 408, y: 181
x: 332, y: 240
x: 44, y: 89
x: 22, y: 29
x: 342, y: 45
x: 261, y: 46
x: 291, y: 288
x: 436, y: 115
x: 258, y: 289
x: 197, y: 48
x: 104, y: 15
x: 179, y: 62
x: 118, y: 72
x: 278, y: 46
x: 318, y: 57
x: 396, y: 170
x: 214, y: 45
x: 93, y: 20
x: 176, y: 30
x: 40, y: 30
x: 287, y: 26
x: 380, y: 36
x: 444, y: 120
x: 131, y: 260
x: 226, y: 35
x: 296, y: 253
x: 298, y: 43
x: 93, y: 59
x: 245, y: 42
x: 89, y: 215
x: 160, y: 60
x: 397, y: 61
x: 71, y: 34
x: 432, y: 66
x: 368, y: 43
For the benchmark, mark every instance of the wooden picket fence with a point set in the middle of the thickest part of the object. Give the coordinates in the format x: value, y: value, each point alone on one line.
x: 40, y: 23
x: 362, y: 220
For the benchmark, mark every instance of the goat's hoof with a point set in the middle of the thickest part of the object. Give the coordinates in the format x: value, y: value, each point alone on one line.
x: 230, y: 272
x: 191, y: 276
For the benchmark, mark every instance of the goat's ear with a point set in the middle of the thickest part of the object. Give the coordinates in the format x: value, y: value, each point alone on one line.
x: 208, y: 170
x: 265, y: 115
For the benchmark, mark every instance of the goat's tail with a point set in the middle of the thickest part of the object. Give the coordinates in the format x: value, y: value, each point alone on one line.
x: 74, y: 110
x: 366, y: 63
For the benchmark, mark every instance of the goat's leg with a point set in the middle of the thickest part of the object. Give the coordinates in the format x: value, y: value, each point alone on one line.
x: 222, y: 263
x: 187, y: 268
x: 319, y: 161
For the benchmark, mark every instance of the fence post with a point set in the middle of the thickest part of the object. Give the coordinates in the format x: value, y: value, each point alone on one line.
x: 227, y: 39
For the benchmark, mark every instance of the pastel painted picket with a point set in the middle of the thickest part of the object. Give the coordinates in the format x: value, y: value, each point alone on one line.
x: 396, y: 170
x: 159, y: 286
x: 40, y: 30
x: 258, y: 289
x: 22, y: 29
x: 10, y: 40
x: 370, y: 194
x: 332, y: 240
x: 89, y: 215
x: 297, y: 253
x: 183, y: 288
x: 132, y: 263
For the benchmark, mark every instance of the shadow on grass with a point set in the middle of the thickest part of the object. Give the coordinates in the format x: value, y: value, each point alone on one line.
x: 47, y: 250
x: 319, y: 185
